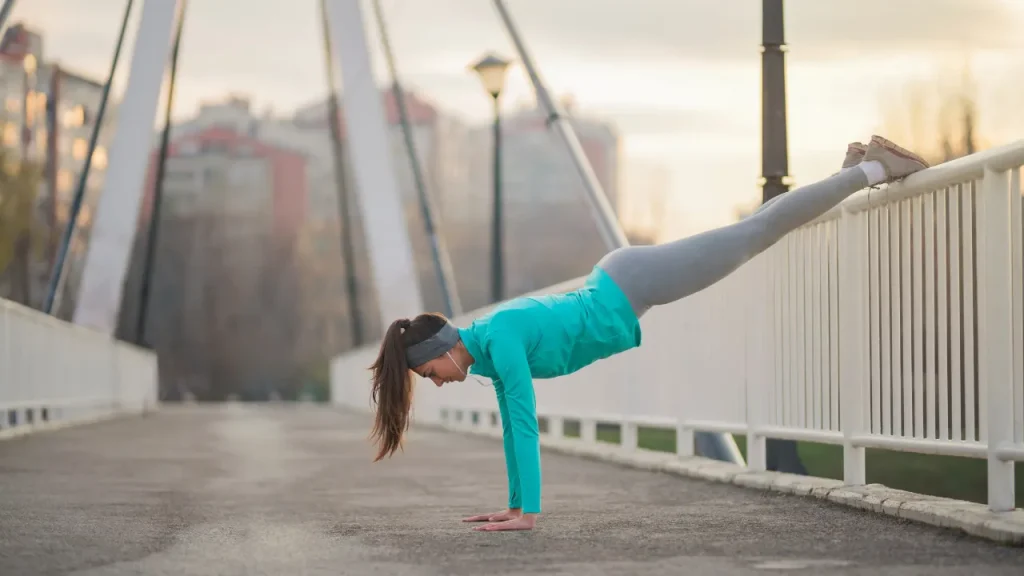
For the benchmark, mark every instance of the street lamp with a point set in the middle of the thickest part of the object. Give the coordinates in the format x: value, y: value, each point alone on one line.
x: 492, y: 70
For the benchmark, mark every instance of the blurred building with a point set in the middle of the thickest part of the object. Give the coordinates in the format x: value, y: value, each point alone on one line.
x: 442, y: 147
x: 307, y: 132
x: 252, y: 200
x: 47, y: 117
x: 645, y: 209
x: 550, y: 232
x: 325, y: 322
x: 221, y: 170
x: 224, y: 291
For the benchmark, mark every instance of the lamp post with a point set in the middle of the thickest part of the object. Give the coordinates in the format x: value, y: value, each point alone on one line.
x: 774, y: 155
x: 782, y: 455
x: 492, y: 70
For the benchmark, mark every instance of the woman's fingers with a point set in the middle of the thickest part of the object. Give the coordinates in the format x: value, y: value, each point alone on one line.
x: 479, y: 518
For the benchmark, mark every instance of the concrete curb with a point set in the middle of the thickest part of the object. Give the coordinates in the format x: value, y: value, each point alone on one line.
x: 969, y: 517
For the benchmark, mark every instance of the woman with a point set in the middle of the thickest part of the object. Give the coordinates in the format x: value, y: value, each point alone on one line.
x: 554, y: 335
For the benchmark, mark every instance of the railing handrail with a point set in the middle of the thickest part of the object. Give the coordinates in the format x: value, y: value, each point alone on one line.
x: 955, y: 171
x: 949, y: 173
x: 48, y: 320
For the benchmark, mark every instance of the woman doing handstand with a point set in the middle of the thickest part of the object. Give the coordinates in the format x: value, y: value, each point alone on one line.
x: 554, y: 335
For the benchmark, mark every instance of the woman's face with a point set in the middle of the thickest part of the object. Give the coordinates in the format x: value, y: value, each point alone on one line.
x: 441, y: 370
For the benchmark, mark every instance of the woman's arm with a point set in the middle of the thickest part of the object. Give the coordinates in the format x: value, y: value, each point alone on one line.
x: 520, y: 414
x: 515, y: 499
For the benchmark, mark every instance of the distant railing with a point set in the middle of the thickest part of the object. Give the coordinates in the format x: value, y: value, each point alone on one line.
x: 53, y: 373
x: 894, y: 321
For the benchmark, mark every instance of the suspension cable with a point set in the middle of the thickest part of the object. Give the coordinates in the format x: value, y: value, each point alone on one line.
x: 442, y: 263
x: 58, y: 274
x: 158, y: 189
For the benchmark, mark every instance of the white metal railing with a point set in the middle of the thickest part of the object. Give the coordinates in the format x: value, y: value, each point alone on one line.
x: 894, y: 321
x: 54, y: 373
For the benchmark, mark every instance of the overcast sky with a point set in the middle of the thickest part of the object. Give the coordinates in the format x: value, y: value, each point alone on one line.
x: 680, y: 78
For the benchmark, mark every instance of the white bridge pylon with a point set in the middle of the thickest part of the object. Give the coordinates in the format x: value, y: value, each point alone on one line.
x: 113, y: 232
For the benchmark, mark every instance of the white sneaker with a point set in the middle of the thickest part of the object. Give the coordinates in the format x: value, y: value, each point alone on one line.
x: 897, y: 161
x: 854, y: 154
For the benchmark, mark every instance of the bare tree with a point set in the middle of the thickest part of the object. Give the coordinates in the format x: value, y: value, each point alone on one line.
x: 655, y: 204
x: 938, y: 117
x: 19, y: 187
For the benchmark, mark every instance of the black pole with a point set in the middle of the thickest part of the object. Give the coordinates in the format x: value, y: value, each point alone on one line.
x: 158, y: 190
x: 5, y: 11
x: 774, y: 144
x: 52, y: 159
x: 782, y: 455
x: 76, y: 204
x: 497, y: 265
x: 344, y: 211
x: 442, y: 263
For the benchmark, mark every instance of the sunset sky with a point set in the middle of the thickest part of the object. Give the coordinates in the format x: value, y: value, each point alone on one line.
x: 679, y: 78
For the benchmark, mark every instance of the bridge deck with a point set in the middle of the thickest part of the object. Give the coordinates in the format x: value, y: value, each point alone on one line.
x: 289, y: 490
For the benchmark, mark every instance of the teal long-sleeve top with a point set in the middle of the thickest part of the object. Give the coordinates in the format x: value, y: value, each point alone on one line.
x: 544, y: 337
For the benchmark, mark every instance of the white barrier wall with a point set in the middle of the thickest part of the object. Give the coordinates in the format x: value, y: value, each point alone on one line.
x: 894, y: 321
x: 53, y: 373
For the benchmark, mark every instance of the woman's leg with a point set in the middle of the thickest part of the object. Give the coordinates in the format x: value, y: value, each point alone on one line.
x: 854, y: 155
x: 656, y: 275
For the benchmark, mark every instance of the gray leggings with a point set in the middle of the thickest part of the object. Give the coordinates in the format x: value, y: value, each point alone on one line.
x: 655, y: 275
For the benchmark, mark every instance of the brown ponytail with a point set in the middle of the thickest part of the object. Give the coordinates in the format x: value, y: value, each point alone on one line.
x: 392, y: 380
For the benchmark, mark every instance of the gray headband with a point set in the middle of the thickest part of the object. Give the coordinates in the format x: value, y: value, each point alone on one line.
x: 432, y: 347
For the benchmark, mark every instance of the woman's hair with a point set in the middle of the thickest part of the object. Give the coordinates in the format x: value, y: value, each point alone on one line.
x: 392, y: 379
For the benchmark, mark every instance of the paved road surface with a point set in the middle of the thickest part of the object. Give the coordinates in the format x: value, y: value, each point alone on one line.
x: 229, y: 490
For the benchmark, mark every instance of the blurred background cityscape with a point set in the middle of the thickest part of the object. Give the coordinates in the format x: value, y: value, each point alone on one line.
x: 250, y: 292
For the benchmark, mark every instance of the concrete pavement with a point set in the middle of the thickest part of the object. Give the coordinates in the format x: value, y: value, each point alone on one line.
x: 231, y: 489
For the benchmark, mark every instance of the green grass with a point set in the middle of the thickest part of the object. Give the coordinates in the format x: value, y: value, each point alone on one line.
x: 945, y: 476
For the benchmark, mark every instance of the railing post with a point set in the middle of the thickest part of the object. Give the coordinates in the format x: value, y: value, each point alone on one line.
x: 556, y: 426
x: 630, y: 434
x: 588, y: 430
x: 1017, y: 276
x: 853, y: 310
x: 6, y: 371
x: 995, y: 330
x: 759, y: 361
x: 684, y: 441
x: 117, y: 380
